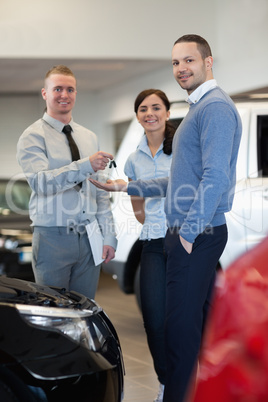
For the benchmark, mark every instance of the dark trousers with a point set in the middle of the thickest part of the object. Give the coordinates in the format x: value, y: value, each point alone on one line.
x: 190, y: 282
x: 153, y: 301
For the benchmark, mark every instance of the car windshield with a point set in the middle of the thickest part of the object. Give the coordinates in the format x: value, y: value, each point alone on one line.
x: 14, y: 196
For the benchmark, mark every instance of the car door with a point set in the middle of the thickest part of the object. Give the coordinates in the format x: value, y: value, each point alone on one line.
x: 248, y: 220
x: 255, y: 194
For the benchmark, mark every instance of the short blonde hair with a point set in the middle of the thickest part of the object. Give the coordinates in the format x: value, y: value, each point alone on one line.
x: 59, y: 69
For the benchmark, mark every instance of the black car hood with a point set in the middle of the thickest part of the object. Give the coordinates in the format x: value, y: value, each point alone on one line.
x: 23, y: 292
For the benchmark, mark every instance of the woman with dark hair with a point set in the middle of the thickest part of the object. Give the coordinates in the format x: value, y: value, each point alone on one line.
x: 152, y: 159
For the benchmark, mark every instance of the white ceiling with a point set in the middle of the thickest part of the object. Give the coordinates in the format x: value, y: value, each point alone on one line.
x: 27, y: 75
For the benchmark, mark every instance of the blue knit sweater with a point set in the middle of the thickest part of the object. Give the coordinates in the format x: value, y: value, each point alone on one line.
x: 202, y: 179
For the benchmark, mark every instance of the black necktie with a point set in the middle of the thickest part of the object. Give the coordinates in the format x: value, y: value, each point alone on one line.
x: 67, y: 130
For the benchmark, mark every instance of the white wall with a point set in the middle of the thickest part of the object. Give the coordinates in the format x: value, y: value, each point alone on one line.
x: 242, y: 39
x: 16, y: 113
x: 99, y: 28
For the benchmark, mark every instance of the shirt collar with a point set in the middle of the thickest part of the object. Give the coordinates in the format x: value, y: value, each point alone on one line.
x: 200, y: 91
x: 143, y: 145
x: 58, y: 125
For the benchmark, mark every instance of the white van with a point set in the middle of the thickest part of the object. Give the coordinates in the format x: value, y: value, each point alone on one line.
x: 247, y: 221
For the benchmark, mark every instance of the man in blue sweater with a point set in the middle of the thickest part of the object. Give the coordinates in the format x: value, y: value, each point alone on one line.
x: 198, y: 192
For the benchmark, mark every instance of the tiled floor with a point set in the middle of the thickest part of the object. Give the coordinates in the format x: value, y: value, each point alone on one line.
x: 141, y: 384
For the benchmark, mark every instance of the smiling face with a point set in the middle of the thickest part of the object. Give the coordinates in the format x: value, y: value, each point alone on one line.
x: 152, y: 114
x: 189, y: 69
x: 60, y: 95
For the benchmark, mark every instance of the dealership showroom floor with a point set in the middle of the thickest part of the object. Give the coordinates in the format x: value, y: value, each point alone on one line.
x: 141, y: 384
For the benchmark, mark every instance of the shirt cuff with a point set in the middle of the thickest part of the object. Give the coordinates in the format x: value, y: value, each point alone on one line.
x: 85, y: 166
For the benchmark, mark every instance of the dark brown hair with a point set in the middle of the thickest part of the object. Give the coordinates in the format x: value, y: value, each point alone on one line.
x: 202, y: 44
x: 170, y: 129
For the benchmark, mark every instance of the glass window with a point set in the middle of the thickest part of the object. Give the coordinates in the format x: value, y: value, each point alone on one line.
x: 14, y: 195
x: 262, y: 141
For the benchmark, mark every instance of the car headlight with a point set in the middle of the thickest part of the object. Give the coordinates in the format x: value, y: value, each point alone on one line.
x: 79, y: 325
x: 8, y: 243
x: 11, y: 244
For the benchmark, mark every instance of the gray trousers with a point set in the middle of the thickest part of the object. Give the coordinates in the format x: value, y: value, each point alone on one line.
x: 62, y: 257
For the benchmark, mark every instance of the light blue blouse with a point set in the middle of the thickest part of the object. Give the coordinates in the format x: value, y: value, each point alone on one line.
x: 142, y: 165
